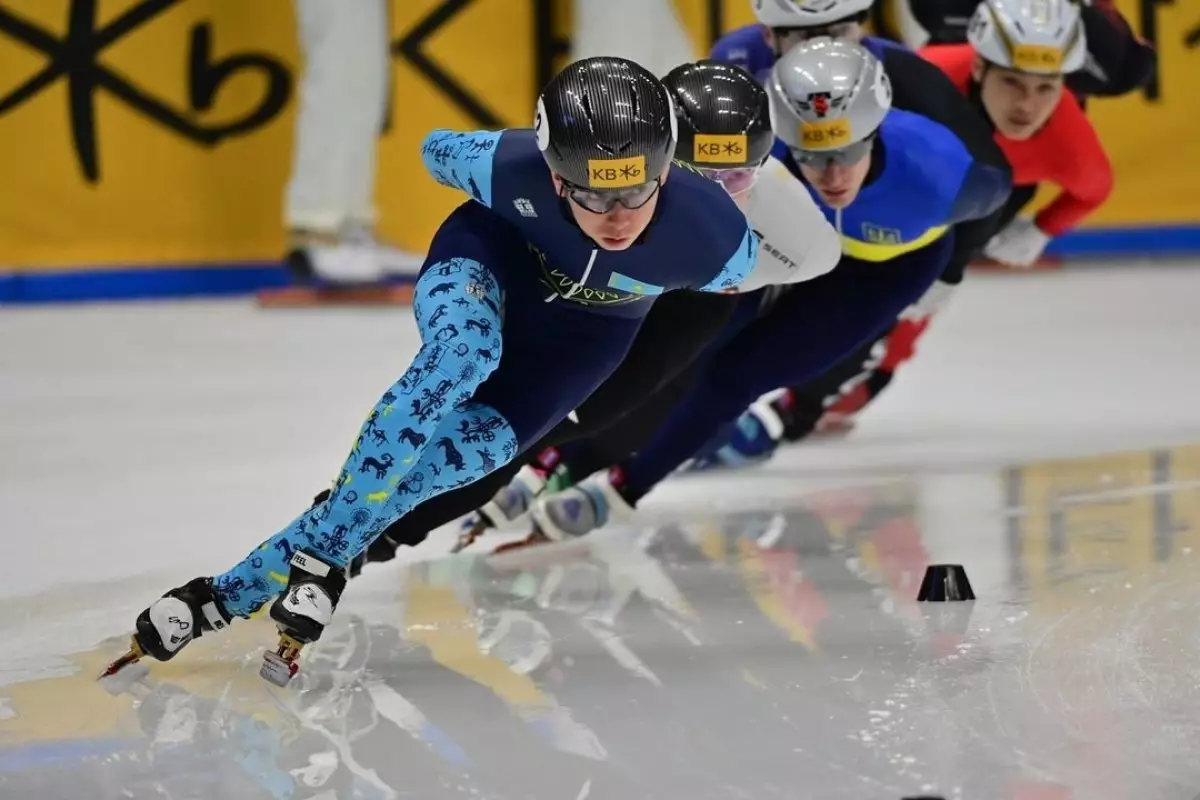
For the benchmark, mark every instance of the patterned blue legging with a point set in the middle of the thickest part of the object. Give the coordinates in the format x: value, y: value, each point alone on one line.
x: 424, y: 436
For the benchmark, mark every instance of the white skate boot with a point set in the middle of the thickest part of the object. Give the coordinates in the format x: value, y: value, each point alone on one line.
x: 167, y: 626
x: 506, y: 506
x: 581, y: 509
x: 301, y: 613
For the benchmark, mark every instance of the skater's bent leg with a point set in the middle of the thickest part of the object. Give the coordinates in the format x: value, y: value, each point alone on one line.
x: 679, y: 327
x: 473, y: 441
x: 470, y: 441
x: 815, y: 325
x: 627, y: 435
x: 665, y: 360
x: 412, y: 528
x: 460, y: 330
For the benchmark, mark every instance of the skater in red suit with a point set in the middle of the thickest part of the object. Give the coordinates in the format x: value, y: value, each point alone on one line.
x: 1015, y: 69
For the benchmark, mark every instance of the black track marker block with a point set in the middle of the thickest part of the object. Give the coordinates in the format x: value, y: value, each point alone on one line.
x: 945, y: 583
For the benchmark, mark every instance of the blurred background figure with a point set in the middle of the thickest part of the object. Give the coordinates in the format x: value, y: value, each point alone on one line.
x: 1119, y: 61
x: 343, y: 100
x: 646, y: 31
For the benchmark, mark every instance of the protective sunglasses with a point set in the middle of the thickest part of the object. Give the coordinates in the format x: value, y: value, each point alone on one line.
x: 735, y: 180
x: 850, y: 154
x: 602, y: 201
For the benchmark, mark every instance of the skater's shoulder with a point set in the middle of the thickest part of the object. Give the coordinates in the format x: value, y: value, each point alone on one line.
x: 484, y: 164
x: 920, y: 136
x: 923, y: 153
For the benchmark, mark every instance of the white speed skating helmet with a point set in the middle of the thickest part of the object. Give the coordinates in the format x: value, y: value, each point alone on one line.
x: 827, y: 94
x: 1043, y: 37
x: 806, y: 13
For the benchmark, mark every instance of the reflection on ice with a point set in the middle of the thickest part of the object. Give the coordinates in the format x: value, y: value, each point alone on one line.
x: 760, y: 654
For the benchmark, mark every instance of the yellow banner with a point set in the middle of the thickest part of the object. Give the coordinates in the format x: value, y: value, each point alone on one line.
x: 1152, y: 143
x: 160, y: 131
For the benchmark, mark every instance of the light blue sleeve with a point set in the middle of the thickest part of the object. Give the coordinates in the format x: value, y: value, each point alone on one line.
x: 462, y: 161
x: 738, y: 267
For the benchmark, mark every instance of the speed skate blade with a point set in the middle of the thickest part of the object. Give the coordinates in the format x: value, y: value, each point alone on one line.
x: 277, y: 670
x: 281, y: 664
x: 469, y: 535
x: 122, y: 674
x: 532, y: 540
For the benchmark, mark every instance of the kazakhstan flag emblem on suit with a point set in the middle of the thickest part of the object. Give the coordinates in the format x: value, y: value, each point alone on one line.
x: 624, y: 283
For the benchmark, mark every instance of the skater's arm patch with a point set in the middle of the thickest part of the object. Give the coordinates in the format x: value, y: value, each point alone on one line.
x: 738, y: 267
x: 462, y: 161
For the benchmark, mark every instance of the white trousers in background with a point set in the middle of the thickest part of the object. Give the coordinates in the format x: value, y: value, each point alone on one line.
x: 342, y: 100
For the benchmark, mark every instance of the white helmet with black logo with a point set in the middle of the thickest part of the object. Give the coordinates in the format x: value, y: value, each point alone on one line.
x: 1043, y: 37
x: 827, y: 94
x: 806, y: 13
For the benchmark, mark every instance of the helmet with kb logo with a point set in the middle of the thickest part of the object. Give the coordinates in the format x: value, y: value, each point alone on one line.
x: 606, y: 127
x: 828, y: 99
x: 1041, y: 37
x: 807, y: 13
x: 724, y: 121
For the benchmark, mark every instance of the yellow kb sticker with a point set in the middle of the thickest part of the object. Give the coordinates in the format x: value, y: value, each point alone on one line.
x: 1037, y: 58
x: 616, y: 173
x: 827, y: 134
x: 719, y: 149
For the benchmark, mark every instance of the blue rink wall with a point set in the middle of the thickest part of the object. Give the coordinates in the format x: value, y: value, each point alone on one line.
x: 170, y: 281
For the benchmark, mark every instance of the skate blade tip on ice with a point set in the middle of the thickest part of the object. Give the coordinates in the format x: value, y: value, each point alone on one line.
x: 127, y: 670
x: 281, y: 664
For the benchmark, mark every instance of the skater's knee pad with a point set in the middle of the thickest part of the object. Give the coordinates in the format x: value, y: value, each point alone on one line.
x: 458, y: 305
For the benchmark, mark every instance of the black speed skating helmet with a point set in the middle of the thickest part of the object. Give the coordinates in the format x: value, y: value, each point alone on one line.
x: 724, y: 115
x: 606, y: 123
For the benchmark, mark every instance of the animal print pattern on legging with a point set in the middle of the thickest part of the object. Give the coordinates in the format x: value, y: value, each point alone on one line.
x: 423, y: 437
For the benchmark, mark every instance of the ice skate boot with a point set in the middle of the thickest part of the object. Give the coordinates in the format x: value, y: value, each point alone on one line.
x: 583, y: 508
x: 301, y: 613
x: 171, y: 621
x: 506, y: 506
x: 513, y: 501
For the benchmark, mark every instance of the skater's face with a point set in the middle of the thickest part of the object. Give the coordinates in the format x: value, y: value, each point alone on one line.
x: 612, y: 219
x: 1018, y: 103
x: 784, y: 39
x: 837, y: 176
x: 738, y: 181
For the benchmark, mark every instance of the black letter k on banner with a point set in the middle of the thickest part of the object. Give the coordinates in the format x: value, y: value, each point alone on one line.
x: 77, y: 57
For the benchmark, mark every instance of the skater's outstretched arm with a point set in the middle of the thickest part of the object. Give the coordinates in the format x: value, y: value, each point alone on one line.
x: 463, y: 160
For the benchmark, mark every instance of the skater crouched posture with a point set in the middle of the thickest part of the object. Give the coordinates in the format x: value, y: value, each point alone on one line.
x: 1119, y: 61
x: 538, y: 268
x: 1015, y: 67
x: 1013, y: 70
x: 917, y: 86
x: 724, y: 134
x: 893, y: 183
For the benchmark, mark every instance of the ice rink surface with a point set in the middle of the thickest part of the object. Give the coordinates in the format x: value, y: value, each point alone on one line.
x: 755, y: 635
